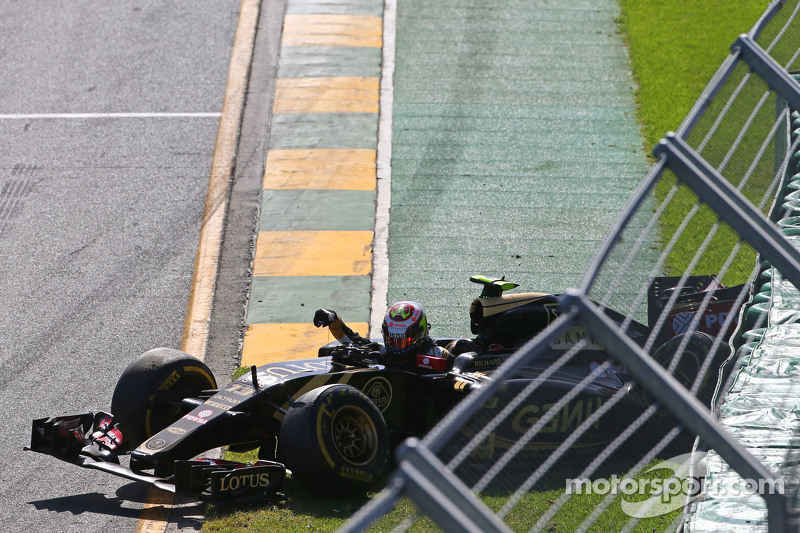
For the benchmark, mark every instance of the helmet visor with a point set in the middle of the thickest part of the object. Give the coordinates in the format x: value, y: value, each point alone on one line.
x: 398, y: 343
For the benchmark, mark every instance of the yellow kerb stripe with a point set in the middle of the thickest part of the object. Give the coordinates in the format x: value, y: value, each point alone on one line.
x: 326, y: 95
x: 320, y: 169
x: 313, y: 253
x: 332, y: 30
x: 272, y: 343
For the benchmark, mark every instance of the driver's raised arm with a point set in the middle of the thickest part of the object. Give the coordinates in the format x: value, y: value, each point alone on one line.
x: 343, y: 334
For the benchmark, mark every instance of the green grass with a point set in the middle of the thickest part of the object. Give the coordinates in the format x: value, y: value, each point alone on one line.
x: 675, y: 48
x: 304, y: 512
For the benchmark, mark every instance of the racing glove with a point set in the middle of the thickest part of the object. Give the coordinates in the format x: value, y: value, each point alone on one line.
x: 324, y: 317
x: 343, y: 334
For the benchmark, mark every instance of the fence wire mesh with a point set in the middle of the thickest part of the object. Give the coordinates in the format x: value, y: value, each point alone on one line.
x: 565, y: 435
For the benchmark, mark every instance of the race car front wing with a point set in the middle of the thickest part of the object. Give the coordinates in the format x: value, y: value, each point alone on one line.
x: 72, y: 439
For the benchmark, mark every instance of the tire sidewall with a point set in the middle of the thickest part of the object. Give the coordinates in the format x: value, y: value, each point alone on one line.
x: 698, y: 349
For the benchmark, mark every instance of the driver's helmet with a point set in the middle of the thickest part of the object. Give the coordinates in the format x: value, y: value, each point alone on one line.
x: 404, y: 329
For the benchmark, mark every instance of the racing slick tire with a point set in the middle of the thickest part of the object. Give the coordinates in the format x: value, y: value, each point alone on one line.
x: 335, y: 441
x: 698, y: 349
x: 148, y: 395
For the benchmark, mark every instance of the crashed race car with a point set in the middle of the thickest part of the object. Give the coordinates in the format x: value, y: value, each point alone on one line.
x: 333, y: 421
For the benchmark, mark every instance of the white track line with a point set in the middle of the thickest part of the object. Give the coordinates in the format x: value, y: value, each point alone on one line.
x: 380, y: 245
x: 38, y: 116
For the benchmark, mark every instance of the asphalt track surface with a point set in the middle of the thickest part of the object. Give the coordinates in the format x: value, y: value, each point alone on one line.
x: 108, y: 117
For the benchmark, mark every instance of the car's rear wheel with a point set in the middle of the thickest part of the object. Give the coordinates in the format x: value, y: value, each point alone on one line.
x: 335, y: 441
x: 696, y: 351
x: 148, y: 395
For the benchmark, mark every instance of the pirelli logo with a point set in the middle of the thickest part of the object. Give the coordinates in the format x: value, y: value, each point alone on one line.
x: 232, y: 401
x: 170, y: 381
x: 218, y: 405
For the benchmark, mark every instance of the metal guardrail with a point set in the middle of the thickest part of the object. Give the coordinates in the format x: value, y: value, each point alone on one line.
x: 720, y: 177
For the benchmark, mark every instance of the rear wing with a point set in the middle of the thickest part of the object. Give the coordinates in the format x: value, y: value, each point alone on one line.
x: 687, y: 303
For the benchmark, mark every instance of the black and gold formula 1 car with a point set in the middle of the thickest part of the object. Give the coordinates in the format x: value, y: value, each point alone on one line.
x: 333, y: 421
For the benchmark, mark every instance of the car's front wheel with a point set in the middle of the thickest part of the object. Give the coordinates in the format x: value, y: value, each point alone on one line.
x: 335, y: 441
x: 149, y: 392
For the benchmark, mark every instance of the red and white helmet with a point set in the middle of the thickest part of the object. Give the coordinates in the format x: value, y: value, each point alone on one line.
x: 404, y: 328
